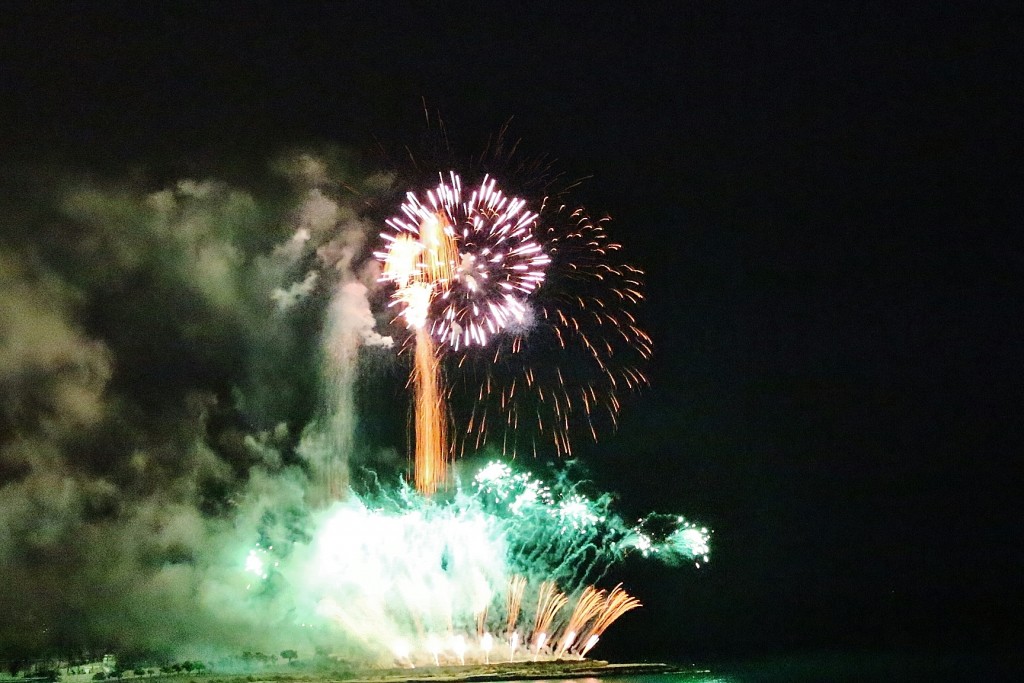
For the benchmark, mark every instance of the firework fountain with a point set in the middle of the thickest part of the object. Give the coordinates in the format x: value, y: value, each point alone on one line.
x: 503, y: 569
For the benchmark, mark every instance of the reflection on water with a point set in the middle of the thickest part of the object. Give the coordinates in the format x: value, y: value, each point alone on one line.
x: 698, y: 675
x: 838, y: 668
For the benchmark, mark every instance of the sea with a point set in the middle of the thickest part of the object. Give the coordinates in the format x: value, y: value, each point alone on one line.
x: 838, y: 669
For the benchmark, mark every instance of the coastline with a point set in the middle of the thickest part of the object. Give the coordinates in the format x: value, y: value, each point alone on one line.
x: 469, y: 673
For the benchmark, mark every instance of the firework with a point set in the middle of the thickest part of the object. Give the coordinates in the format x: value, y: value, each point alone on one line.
x: 549, y: 602
x: 474, y: 255
x: 475, y: 273
x: 513, y: 602
x: 424, y: 581
x: 431, y: 417
x: 615, y: 605
x: 563, y: 373
x: 588, y: 606
x: 462, y: 268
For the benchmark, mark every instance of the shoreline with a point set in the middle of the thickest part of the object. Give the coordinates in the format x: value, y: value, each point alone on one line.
x: 469, y: 673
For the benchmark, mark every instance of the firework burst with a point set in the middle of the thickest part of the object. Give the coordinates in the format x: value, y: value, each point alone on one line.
x: 565, y: 373
x: 532, y: 310
x: 474, y: 254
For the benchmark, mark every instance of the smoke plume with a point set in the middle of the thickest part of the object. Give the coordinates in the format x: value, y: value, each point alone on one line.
x: 161, y: 398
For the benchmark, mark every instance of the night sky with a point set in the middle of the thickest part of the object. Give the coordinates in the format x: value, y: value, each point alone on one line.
x: 824, y: 197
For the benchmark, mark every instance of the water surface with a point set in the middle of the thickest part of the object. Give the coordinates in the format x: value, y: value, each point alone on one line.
x: 838, y: 668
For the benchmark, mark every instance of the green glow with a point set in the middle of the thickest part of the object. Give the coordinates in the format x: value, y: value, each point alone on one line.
x: 410, y: 579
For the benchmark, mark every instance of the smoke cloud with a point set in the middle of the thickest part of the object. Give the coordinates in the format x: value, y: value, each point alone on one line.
x: 161, y: 401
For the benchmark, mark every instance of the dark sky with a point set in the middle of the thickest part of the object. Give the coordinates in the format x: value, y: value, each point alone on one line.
x: 824, y: 196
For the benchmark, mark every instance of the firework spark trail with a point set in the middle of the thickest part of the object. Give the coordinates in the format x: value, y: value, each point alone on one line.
x: 431, y: 455
x: 418, y: 267
x: 578, y: 540
x: 513, y: 602
x: 584, y: 564
x: 615, y: 605
x: 481, y: 622
x: 549, y: 602
x: 555, y: 533
x: 588, y: 606
x: 474, y: 268
x: 478, y: 255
